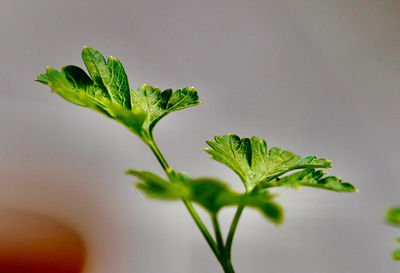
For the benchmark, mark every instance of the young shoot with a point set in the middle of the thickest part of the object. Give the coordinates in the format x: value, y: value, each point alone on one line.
x: 106, y: 90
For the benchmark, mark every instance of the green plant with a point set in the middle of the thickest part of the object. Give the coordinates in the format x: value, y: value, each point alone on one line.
x: 393, y: 218
x: 107, y: 91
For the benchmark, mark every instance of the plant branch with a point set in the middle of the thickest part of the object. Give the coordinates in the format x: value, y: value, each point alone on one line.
x: 156, y: 151
x: 232, y: 229
x: 203, y: 229
x: 207, y: 236
x: 224, y: 259
x: 218, y: 235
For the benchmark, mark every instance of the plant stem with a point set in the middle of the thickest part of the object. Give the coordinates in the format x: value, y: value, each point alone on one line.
x: 232, y: 229
x: 154, y: 148
x: 203, y: 229
x: 224, y: 260
x: 218, y: 235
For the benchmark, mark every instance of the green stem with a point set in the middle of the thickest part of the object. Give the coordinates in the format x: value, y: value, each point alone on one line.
x: 218, y: 235
x: 232, y: 229
x: 154, y: 148
x: 203, y: 229
x: 224, y: 260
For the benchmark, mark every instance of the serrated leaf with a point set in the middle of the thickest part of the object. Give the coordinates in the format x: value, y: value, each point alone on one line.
x: 157, y: 104
x: 209, y: 193
x: 107, y: 91
x: 251, y: 160
x: 309, y: 178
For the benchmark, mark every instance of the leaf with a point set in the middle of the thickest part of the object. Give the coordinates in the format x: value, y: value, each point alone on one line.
x: 74, y: 85
x: 393, y: 216
x: 211, y: 194
x: 69, y: 90
x: 309, y: 178
x: 158, y: 104
x: 251, y: 160
x: 156, y: 187
x: 107, y: 91
x: 214, y: 195
x: 109, y: 76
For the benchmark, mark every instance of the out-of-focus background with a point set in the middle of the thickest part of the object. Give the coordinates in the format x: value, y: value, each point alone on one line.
x: 314, y: 77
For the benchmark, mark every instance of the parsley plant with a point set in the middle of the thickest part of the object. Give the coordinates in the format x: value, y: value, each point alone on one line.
x: 106, y: 90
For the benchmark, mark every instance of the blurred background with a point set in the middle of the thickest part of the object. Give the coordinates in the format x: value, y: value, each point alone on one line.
x: 317, y: 77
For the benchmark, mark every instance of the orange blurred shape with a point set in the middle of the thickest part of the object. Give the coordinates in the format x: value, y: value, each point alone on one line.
x: 34, y: 243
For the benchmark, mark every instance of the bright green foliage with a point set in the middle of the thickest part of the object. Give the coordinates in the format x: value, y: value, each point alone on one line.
x: 107, y: 91
x: 393, y: 218
x: 254, y: 164
x: 156, y: 187
x: 310, y: 178
x: 157, y: 104
x: 209, y: 193
x: 108, y: 76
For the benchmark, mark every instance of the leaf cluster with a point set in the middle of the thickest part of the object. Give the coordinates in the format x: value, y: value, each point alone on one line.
x: 259, y: 170
x: 106, y: 90
x: 209, y: 193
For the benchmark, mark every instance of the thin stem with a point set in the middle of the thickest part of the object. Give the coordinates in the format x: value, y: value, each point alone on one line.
x: 224, y: 260
x: 218, y: 234
x: 203, y: 229
x: 232, y: 229
x: 154, y: 148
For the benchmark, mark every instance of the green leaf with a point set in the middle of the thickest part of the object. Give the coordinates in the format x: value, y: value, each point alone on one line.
x: 157, y: 104
x: 214, y: 195
x: 156, y: 187
x: 109, y: 76
x: 393, y: 216
x: 309, y: 178
x: 107, y: 91
x: 209, y: 193
x: 251, y: 160
x: 43, y: 78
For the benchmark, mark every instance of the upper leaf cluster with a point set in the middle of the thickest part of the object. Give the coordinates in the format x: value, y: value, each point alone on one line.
x: 107, y: 91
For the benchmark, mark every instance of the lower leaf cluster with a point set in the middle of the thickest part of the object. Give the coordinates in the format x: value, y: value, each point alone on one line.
x: 211, y: 194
